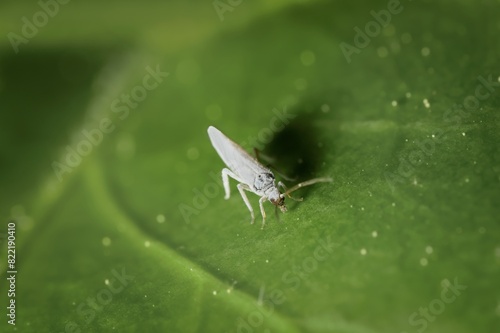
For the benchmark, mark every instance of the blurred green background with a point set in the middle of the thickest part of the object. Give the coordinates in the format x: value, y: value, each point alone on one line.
x: 121, y: 225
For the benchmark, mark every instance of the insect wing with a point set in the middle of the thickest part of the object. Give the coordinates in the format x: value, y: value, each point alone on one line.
x: 237, y: 159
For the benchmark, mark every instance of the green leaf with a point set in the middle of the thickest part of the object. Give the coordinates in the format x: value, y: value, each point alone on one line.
x: 137, y: 237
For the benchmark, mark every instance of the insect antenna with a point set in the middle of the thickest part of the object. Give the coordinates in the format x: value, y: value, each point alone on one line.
x: 269, y: 160
x: 307, y: 183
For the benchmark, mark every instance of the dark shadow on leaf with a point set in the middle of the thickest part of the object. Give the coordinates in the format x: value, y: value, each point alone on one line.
x: 299, y: 149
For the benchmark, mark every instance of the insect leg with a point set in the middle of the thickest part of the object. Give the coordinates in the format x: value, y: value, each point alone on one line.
x: 242, y: 188
x: 262, y: 211
x: 277, y: 214
x: 226, y: 173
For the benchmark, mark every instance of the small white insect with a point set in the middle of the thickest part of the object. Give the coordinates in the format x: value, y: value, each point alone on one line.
x: 251, y: 175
